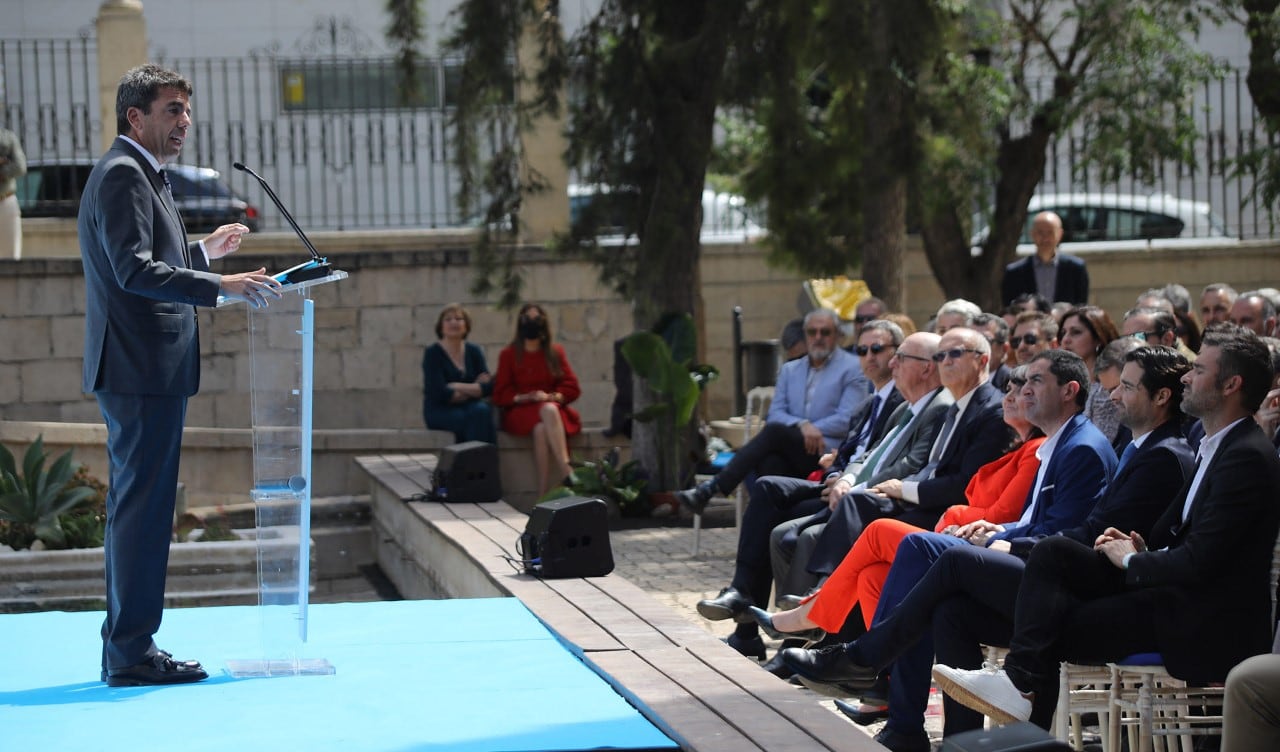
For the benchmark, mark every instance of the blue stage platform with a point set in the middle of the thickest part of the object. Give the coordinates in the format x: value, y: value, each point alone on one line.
x: 470, y: 674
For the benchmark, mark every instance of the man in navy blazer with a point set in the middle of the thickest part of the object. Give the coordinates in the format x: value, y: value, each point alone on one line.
x: 1052, y: 275
x: 1196, y: 591
x: 142, y: 355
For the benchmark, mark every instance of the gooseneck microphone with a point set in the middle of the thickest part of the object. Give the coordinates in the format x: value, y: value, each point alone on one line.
x: 318, y: 266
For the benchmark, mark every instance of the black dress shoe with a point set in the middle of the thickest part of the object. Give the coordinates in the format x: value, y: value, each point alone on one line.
x: 897, y: 742
x: 160, y: 668
x: 776, y: 667
x: 855, y: 712
x: 695, y: 499
x: 189, y: 664
x: 751, y: 647
x: 729, y: 604
x: 829, y: 665
x: 765, y: 620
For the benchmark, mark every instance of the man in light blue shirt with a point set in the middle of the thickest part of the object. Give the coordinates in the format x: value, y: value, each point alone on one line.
x: 812, y: 403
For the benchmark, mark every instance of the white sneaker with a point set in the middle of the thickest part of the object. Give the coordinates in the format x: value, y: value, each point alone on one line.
x: 987, y: 690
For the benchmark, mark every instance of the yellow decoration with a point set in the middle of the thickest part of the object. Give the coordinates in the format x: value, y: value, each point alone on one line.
x: 840, y: 294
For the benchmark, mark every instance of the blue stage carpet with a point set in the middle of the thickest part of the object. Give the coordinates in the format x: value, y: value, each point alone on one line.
x: 476, y: 674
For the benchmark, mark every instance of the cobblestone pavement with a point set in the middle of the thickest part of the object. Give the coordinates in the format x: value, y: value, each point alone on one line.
x: 660, y: 560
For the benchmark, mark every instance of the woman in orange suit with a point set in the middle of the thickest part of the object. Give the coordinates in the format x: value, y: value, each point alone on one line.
x: 534, y: 386
x: 996, y: 492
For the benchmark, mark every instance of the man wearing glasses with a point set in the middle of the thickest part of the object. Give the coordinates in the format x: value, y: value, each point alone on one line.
x: 812, y: 402
x: 1033, y: 333
x: 1152, y: 326
x: 973, y: 434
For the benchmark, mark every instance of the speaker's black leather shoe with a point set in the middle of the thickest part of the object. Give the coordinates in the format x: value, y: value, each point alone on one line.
x: 751, y: 647
x: 161, y: 668
x: 729, y: 604
x: 765, y: 620
x: 189, y: 664
x: 829, y: 665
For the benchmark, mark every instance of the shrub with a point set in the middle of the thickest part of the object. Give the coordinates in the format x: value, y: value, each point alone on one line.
x: 33, y: 503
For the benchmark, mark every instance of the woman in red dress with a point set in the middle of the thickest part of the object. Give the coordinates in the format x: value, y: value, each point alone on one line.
x: 534, y: 386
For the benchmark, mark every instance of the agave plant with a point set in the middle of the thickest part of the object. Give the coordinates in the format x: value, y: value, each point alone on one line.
x: 34, y: 500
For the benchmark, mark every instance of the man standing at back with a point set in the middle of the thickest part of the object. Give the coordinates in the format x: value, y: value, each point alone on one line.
x: 142, y: 355
x: 1054, y: 276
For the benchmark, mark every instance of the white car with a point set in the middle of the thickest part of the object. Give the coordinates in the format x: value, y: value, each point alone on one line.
x: 724, y: 216
x: 1093, y: 222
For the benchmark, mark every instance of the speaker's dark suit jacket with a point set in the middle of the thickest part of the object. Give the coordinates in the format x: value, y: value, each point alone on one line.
x: 141, y: 359
x: 141, y: 279
x: 1072, y: 284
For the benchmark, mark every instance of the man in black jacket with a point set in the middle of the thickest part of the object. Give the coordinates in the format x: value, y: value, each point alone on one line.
x: 1054, y: 276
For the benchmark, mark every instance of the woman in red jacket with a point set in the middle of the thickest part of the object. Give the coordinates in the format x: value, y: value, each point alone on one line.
x: 534, y: 386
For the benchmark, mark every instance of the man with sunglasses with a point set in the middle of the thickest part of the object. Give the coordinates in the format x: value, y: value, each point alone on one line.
x: 812, y: 402
x: 1033, y: 333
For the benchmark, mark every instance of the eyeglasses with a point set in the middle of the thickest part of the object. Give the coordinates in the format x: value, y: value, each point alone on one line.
x: 1027, y: 339
x: 875, y: 349
x: 900, y: 354
x: 819, y: 332
x: 955, y: 353
x: 864, y: 319
x: 1144, y: 336
x: 1014, y: 385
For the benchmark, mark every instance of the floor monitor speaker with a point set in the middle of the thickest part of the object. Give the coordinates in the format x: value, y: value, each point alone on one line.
x: 468, y: 472
x: 568, y: 537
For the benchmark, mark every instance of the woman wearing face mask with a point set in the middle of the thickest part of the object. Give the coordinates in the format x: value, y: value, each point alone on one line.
x: 534, y: 386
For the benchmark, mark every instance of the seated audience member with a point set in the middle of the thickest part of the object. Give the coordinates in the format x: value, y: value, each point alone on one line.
x: 776, y: 499
x: 534, y: 386
x: 878, y: 342
x: 809, y: 415
x: 1106, y: 375
x: 903, y: 321
x: 967, y: 598
x: 1085, y: 331
x: 973, y: 434
x: 1188, y: 328
x: 869, y: 309
x: 1033, y: 333
x: 792, y: 340
x: 997, y: 492
x: 996, y: 330
x: 1053, y: 275
x: 1251, y: 704
x: 1255, y: 312
x: 1215, y: 303
x: 456, y: 381
x: 954, y: 313
x: 1151, y: 325
x: 1196, y: 590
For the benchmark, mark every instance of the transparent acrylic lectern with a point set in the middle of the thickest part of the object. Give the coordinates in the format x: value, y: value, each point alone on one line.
x: 281, y: 352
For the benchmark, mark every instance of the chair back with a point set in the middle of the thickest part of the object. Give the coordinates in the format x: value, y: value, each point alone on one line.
x: 758, y: 400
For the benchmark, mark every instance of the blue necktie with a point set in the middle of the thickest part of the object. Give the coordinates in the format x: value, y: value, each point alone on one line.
x: 944, y: 434
x: 1129, y: 449
x: 865, y: 434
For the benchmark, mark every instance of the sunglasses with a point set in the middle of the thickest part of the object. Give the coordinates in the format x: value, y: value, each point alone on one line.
x: 1014, y: 385
x: 819, y: 332
x: 1145, y: 336
x: 955, y: 353
x: 1027, y: 339
x: 864, y: 319
x: 875, y: 349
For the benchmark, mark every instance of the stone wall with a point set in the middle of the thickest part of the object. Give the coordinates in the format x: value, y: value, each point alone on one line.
x: 373, y: 327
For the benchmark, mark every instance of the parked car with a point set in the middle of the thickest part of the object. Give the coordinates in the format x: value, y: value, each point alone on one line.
x: 1094, y: 222
x: 53, y: 189
x: 724, y: 215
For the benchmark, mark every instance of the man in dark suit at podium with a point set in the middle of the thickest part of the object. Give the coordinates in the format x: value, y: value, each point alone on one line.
x: 142, y: 355
x: 1054, y: 276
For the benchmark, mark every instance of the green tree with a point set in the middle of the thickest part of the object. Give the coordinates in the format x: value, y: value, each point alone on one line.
x: 1262, y: 25
x: 406, y: 34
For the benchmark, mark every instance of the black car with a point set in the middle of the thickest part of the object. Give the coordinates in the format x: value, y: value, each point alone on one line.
x: 53, y: 189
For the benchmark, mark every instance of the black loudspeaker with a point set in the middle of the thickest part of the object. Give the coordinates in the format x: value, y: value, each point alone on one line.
x: 567, y: 538
x: 1016, y: 737
x: 467, y: 472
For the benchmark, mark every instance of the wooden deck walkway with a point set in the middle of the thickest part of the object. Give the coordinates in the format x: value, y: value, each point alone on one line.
x: 695, y: 688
